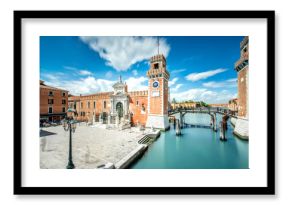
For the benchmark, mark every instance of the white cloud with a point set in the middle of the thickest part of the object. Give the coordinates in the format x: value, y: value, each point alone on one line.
x: 172, y: 82
x: 135, y: 84
x: 85, y: 72
x: 76, y: 71
x: 228, y: 83
x: 203, y: 94
x: 203, y: 75
x: 134, y: 72
x: 176, y: 88
x: 177, y: 71
x: 120, y: 52
x: 90, y: 84
x: 51, y: 77
x: 232, y: 80
x: 109, y: 74
x: 86, y: 85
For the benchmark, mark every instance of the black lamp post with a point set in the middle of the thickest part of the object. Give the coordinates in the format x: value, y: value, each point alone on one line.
x: 70, y: 125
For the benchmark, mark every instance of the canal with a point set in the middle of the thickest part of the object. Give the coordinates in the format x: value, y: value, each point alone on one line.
x: 196, y: 148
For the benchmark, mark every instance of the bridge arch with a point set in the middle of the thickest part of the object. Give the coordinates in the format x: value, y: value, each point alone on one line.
x: 212, y: 121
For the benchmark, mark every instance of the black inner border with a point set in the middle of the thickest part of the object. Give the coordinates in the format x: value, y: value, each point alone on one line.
x: 268, y: 190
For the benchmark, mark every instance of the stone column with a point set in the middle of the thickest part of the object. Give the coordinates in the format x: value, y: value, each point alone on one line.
x: 109, y: 119
x: 94, y: 116
x: 117, y: 119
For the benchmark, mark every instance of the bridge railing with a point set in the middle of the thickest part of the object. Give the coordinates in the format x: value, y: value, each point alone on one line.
x: 206, y: 109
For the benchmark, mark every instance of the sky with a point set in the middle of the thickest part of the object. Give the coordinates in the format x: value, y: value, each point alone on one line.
x: 201, y: 67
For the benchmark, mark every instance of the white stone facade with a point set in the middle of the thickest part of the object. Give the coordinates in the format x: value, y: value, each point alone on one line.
x: 158, y: 121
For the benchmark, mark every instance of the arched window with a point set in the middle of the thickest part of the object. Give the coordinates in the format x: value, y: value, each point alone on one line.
x: 105, y: 104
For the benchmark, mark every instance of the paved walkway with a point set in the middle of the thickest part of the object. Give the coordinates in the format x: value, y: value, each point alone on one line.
x: 92, y: 146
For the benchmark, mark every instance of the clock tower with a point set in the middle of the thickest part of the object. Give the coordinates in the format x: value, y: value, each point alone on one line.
x: 158, y: 93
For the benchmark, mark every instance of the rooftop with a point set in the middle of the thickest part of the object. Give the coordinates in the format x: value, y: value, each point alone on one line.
x: 42, y: 85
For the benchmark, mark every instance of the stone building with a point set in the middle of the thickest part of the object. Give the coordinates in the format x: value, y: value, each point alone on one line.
x: 53, y: 103
x: 242, y: 67
x: 147, y: 108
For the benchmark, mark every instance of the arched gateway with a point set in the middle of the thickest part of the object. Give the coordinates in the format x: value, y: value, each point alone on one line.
x: 119, y: 103
x: 119, y: 109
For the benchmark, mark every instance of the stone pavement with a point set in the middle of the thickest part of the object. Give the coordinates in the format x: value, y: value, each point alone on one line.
x: 92, y: 146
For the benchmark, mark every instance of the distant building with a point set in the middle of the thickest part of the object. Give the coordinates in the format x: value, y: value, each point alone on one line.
x: 220, y: 105
x: 176, y: 105
x: 148, y: 108
x: 53, y: 102
x: 242, y: 67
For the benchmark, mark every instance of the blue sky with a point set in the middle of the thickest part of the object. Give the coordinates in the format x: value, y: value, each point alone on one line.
x: 201, y: 68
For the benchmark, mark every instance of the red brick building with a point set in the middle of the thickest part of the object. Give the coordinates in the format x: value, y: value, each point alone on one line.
x: 92, y: 107
x: 242, y: 67
x: 147, y: 108
x: 53, y: 102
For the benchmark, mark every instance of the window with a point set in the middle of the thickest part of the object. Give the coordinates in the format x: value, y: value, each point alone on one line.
x: 50, y: 110
x: 50, y: 101
x: 89, y: 104
x: 63, y: 94
x: 156, y: 66
x: 50, y: 93
x: 63, y: 109
x: 81, y: 105
x: 143, y: 107
x: 105, y: 104
x: 94, y: 104
x: 75, y: 105
x: 137, y: 103
x: 63, y: 102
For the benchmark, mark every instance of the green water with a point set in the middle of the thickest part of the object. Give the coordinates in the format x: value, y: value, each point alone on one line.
x: 196, y: 148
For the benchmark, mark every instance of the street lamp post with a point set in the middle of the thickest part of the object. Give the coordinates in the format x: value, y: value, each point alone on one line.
x: 70, y: 125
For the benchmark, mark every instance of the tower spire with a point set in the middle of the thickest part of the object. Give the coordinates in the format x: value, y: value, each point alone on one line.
x: 120, y: 79
x: 158, y: 44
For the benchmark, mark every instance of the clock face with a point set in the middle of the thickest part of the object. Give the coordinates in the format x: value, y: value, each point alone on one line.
x: 155, y: 84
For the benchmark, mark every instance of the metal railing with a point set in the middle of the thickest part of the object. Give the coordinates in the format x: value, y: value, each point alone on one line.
x: 226, y: 111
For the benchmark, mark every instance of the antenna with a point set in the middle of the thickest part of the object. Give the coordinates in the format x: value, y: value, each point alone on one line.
x: 158, y: 43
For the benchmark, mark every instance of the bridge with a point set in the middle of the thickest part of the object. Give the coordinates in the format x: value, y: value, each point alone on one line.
x: 212, y: 111
x: 205, y: 110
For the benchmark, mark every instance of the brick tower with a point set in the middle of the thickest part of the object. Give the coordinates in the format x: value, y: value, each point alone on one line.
x: 158, y: 93
x: 242, y: 67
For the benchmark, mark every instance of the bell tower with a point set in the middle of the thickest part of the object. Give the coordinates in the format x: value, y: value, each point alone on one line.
x: 158, y: 93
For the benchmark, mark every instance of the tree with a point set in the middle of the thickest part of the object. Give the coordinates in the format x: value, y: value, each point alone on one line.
x: 203, y: 104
